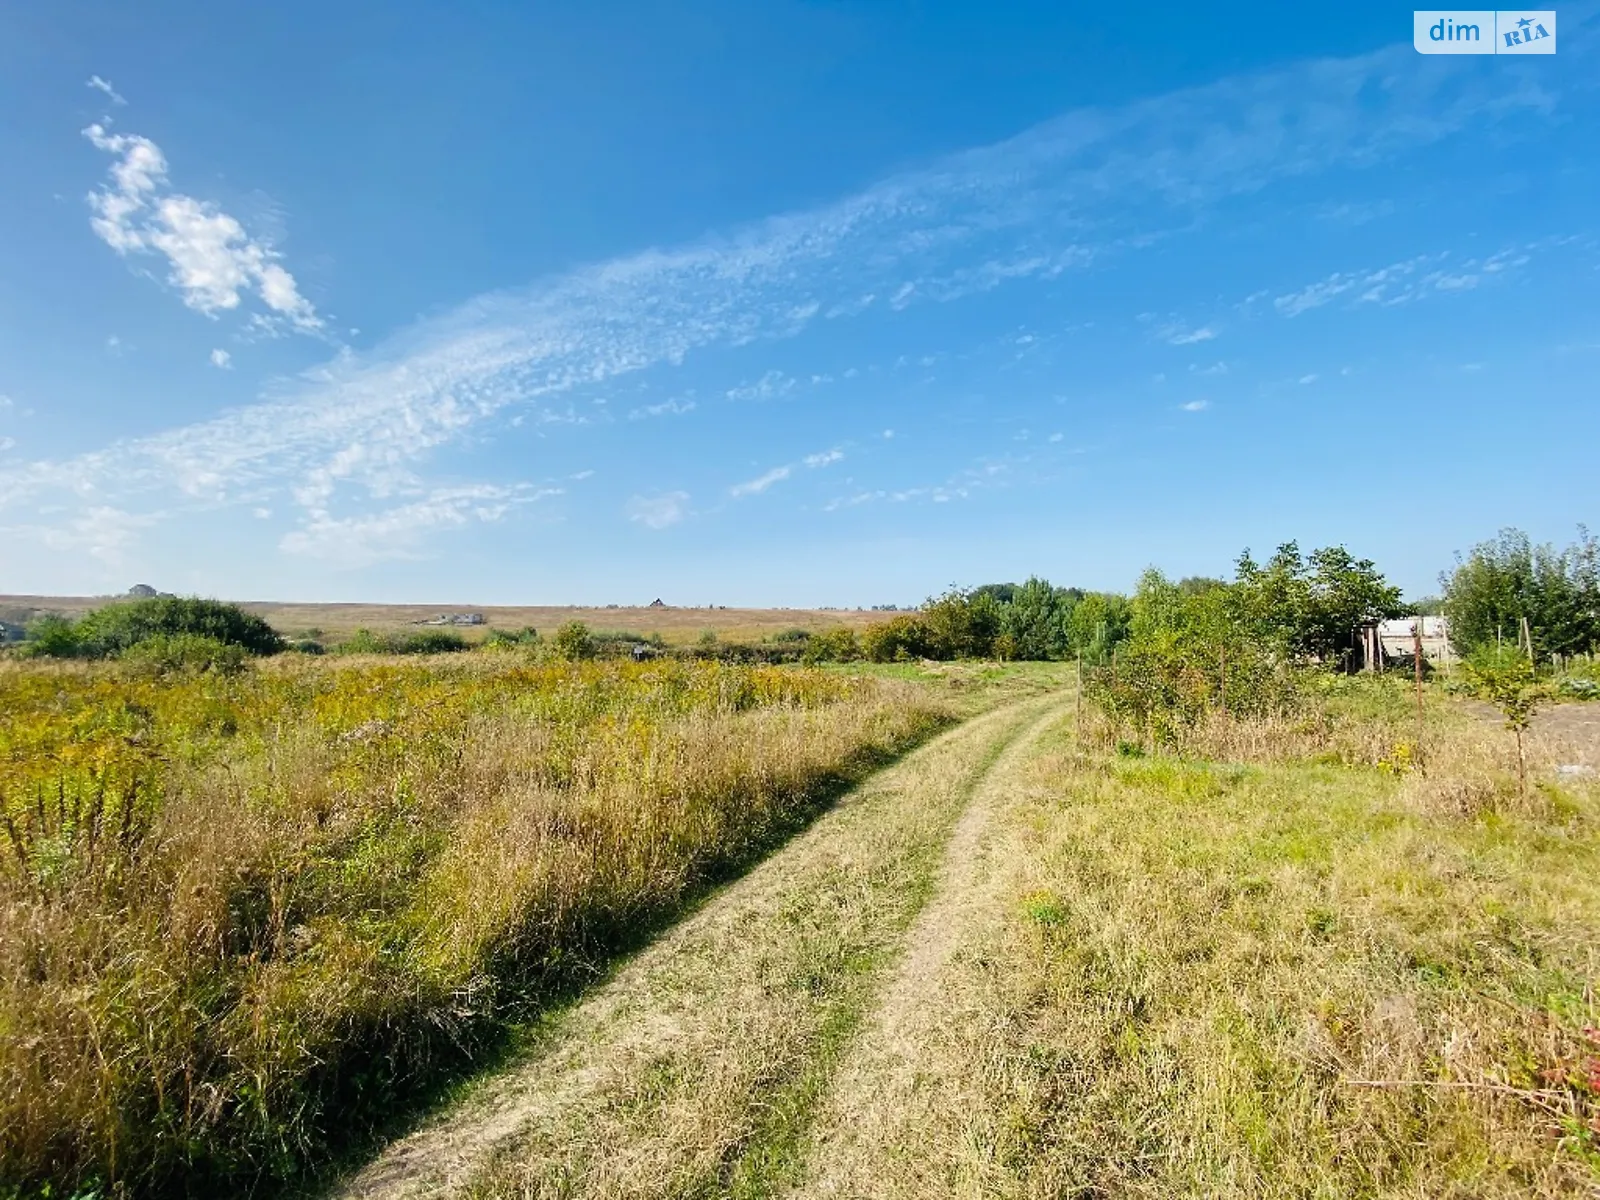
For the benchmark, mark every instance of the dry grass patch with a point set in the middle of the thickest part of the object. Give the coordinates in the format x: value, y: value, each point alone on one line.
x: 243, y: 918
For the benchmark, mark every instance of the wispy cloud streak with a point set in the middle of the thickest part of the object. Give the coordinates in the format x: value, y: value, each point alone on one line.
x: 1090, y: 182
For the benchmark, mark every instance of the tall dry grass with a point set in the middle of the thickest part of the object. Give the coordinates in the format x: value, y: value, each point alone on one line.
x: 242, y: 920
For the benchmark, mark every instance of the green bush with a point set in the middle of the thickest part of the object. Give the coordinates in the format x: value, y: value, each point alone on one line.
x: 51, y: 637
x: 1164, y: 684
x: 363, y: 641
x: 573, y: 642
x: 745, y: 653
x: 503, y: 639
x: 620, y: 643
x: 428, y: 641
x: 107, y: 632
x: 433, y: 641
x: 831, y: 645
x: 899, y: 639
x: 184, y: 653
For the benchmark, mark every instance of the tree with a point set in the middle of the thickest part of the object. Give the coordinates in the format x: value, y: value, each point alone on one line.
x: 1096, y: 624
x: 1034, y: 622
x: 1310, y: 607
x: 898, y: 639
x: 962, y: 624
x: 1507, y: 580
x: 1504, y: 677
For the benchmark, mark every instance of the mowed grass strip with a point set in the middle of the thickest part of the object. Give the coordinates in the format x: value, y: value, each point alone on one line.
x: 1270, y: 980
x: 243, y: 920
x: 695, y: 1071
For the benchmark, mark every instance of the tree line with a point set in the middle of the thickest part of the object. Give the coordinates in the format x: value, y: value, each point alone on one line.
x: 1295, y: 606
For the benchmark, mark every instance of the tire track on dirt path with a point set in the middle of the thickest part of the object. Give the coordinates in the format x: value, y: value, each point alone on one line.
x: 698, y: 1067
x: 866, y: 1140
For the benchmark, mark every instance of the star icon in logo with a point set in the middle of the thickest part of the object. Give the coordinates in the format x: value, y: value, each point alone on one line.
x: 1525, y: 22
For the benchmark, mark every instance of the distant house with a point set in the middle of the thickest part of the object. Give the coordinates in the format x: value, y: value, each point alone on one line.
x: 142, y: 591
x: 1391, y: 641
x: 657, y: 603
x: 10, y: 632
x: 455, y: 619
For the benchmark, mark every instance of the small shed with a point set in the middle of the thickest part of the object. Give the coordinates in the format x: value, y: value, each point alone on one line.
x: 1384, y: 642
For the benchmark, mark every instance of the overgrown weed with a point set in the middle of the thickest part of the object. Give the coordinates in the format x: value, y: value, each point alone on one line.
x: 243, y: 916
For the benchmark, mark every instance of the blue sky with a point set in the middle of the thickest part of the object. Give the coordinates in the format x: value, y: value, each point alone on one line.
x: 779, y: 303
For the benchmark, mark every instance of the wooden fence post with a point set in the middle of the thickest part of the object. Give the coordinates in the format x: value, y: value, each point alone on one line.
x: 1224, y: 678
x: 1077, y: 713
x: 1416, y: 652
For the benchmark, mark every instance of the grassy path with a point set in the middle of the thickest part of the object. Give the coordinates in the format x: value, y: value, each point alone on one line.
x: 699, y: 1069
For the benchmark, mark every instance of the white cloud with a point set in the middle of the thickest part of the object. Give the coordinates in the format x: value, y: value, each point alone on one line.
x: 104, y: 85
x: 659, y: 511
x: 7, y: 443
x: 888, y: 434
x: 1401, y: 282
x: 114, y: 344
x: 359, y: 541
x: 1196, y: 406
x: 212, y: 261
x: 1055, y: 437
x: 103, y: 531
x: 770, y: 386
x: 665, y: 408
x: 1305, y: 379
x: 1179, y: 335
x: 761, y: 482
x: 1217, y: 368
x: 222, y: 359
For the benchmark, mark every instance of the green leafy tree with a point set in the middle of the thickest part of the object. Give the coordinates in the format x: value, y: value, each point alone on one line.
x: 1503, y: 676
x: 1096, y: 624
x: 962, y: 624
x: 1509, y: 579
x: 899, y: 639
x: 1310, y: 607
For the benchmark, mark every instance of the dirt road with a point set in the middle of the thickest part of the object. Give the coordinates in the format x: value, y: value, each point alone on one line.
x: 704, y: 1065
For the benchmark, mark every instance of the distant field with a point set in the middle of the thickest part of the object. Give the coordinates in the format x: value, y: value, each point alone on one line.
x: 676, y: 625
